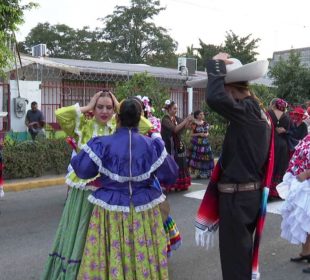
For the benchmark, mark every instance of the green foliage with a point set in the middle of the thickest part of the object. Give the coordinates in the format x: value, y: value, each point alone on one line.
x: 5, y: 54
x: 169, y: 60
x: 63, y: 41
x: 129, y: 35
x: 264, y: 94
x: 217, y: 123
x: 145, y: 85
x: 242, y: 48
x: 35, y: 158
x: 132, y: 35
x: 216, y: 142
x: 291, y: 79
x: 205, y: 52
x: 11, y: 16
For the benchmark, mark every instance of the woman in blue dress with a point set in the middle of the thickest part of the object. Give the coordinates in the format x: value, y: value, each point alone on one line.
x: 126, y: 237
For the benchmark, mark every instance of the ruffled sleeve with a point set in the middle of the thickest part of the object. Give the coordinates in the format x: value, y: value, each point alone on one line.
x: 87, y: 162
x: 168, y: 171
x: 70, y: 119
x: 144, y: 125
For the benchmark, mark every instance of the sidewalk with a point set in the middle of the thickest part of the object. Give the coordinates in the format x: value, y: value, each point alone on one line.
x: 16, y: 185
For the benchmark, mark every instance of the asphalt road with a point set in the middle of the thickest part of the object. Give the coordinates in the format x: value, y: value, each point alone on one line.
x: 29, y: 219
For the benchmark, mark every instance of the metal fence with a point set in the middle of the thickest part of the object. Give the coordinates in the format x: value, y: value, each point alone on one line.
x: 180, y: 97
x: 55, y: 95
x: 198, y: 99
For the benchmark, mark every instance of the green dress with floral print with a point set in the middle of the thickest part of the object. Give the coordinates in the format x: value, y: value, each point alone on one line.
x: 65, y: 256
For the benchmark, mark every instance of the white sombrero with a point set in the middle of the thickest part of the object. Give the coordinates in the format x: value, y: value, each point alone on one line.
x: 3, y: 114
x: 236, y: 72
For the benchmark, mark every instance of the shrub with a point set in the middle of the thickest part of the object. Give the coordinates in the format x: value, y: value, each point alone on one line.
x: 35, y: 158
x: 216, y: 142
x: 145, y: 85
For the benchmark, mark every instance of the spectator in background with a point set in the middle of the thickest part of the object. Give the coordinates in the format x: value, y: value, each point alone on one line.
x: 299, y: 128
x: 171, y: 131
x: 200, y: 156
x: 272, y: 103
x: 35, y: 121
x: 281, y: 124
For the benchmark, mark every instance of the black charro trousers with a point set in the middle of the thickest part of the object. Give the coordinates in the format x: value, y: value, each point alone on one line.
x: 238, y: 216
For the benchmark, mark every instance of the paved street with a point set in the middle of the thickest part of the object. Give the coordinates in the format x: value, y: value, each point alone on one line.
x: 28, y: 221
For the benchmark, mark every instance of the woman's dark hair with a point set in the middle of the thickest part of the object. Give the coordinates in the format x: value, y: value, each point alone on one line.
x: 196, y: 113
x: 168, y: 106
x: 130, y: 112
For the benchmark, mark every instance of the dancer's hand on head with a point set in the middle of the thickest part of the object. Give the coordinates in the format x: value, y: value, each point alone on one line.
x: 116, y: 103
x: 223, y: 56
x: 93, y: 101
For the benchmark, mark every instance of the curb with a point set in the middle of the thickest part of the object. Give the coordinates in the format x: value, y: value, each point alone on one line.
x: 26, y: 184
x: 33, y: 184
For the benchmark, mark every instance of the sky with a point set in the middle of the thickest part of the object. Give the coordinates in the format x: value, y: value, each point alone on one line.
x: 280, y: 25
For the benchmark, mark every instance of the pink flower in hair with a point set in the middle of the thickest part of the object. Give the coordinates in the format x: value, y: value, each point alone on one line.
x: 281, y: 104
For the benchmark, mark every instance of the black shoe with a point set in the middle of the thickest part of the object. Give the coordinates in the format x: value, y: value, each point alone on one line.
x: 306, y: 270
x: 301, y: 259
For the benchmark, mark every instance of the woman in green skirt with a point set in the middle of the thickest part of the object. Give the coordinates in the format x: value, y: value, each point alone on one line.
x: 126, y: 237
x: 65, y: 257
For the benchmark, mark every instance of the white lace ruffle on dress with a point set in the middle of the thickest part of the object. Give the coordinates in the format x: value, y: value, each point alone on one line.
x: 295, y: 212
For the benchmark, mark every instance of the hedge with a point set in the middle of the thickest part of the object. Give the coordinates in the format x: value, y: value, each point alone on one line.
x: 35, y: 158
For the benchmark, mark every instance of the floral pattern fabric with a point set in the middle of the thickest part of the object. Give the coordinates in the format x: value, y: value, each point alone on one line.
x: 300, y: 160
x: 123, y: 245
x: 295, y: 226
x: 200, y: 156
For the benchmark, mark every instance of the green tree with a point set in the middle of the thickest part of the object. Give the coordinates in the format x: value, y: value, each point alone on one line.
x: 133, y: 36
x: 292, y: 80
x: 65, y: 42
x: 264, y: 94
x: 11, y: 16
x: 145, y: 85
x: 169, y: 60
x: 242, y: 48
x: 206, y: 51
